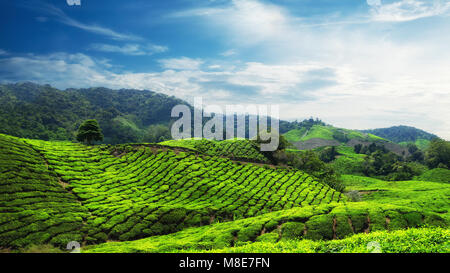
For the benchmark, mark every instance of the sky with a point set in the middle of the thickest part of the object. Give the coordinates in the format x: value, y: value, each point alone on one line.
x: 355, y: 64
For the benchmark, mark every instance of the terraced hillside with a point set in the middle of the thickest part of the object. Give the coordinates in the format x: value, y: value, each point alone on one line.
x: 182, y: 199
x: 34, y: 207
x: 324, y: 222
x: 143, y: 192
x: 240, y: 149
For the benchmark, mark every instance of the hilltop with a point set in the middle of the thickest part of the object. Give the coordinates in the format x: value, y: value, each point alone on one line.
x: 404, y: 135
x: 319, y: 135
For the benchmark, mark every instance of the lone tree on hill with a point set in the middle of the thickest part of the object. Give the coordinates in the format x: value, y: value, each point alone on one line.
x: 89, y: 131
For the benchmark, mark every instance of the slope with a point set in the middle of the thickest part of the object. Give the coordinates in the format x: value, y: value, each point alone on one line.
x: 404, y: 135
x: 34, y: 207
x: 324, y: 222
x: 148, y: 190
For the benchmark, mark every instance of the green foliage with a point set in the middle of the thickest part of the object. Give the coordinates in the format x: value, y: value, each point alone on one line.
x: 401, y: 134
x: 435, y: 175
x: 195, y: 199
x: 292, y: 230
x: 414, y: 240
x: 305, y: 125
x: 310, y: 162
x: 328, y: 154
x: 317, y: 221
x: 43, y: 112
x: 89, y: 131
x: 438, y: 154
x: 134, y: 191
x: 421, y: 195
x: 34, y: 207
x: 233, y: 148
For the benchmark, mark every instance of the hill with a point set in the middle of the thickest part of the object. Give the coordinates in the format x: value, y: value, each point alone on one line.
x: 319, y: 135
x: 179, y: 198
x: 43, y: 112
x: 403, y: 135
x: 237, y: 149
x: 129, y: 192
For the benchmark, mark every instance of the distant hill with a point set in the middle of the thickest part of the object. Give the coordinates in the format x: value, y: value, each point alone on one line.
x: 43, y: 112
x: 403, y: 135
x: 317, y: 134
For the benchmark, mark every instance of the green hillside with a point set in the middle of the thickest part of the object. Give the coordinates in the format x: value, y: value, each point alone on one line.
x: 325, y: 222
x: 148, y: 191
x: 42, y: 112
x: 232, y: 148
x: 403, y: 135
x: 189, y: 196
x: 413, y: 240
x: 328, y: 132
x: 34, y: 206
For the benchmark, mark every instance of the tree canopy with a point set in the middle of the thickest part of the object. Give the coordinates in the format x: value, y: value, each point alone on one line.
x: 89, y: 131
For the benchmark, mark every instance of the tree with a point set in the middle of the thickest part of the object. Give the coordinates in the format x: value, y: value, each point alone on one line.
x: 89, y: 131
x: 415, y: 153
x: 438, y: 154
x: 328, y: 154
x: 358, y: 148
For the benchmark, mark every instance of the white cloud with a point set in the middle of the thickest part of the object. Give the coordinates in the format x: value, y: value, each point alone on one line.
x: 130, y: 49
x: 373, y: 2
x: 354, y: 77
x: 418, y: 97
x: 60, y: 16
x: 408, y: 10
x: 229, y: 52
x: 254, y: 21
x: 3, y: 52
x: 183, y: 63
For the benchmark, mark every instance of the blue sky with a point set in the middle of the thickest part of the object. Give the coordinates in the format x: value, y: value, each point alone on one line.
x: 354, y: 63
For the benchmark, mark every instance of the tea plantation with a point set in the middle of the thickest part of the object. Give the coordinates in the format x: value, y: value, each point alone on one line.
x: 190, y: 195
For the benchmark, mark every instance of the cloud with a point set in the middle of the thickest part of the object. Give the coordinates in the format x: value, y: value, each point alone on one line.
x: 62, y: 17
x: 408, y: 10
x: 350, y: 75
x: 3, y: 52
x: 229, y: 52
x: 255, y: 21
x: 373, y: 2
x: 181, y: 63
x: 130, y: 49
x: 340, y: 94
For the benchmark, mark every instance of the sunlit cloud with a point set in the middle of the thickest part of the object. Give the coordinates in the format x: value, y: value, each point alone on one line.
x: 408, y: 10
